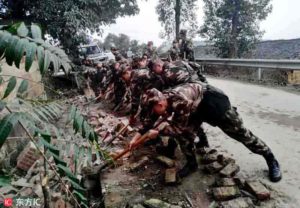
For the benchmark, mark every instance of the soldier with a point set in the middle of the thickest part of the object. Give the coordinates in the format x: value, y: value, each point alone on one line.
x: 116, y: 53
x: 190, y: 105
x: 186, y: 46
x: 174, y: 51
x: 150, y: 51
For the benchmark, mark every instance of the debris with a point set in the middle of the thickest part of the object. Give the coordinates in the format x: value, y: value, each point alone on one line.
x: 170, y: 176
x: 138, y: 206
x: 225, y: 160
x: 62, y: 204
x: 28, y: 157
x: 238, y: 203
x: 188, y: 199
x: 213, y: 167
x: 167, y: 161
x: 210, y: 158
x: 139, y: 164
x: 156, y: 203
x: 258, y: 189
x: 226, y: 193
x: 226, y: 182
x: 22, y: 182
x: 230, y: 170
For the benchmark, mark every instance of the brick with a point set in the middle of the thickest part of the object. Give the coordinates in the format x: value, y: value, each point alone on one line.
x: 230, y: 170
x: 226, y: 193
x: 167, y: 161
x: 28, y: 157
x: 258, y: 189
x: 213, y: 167
x: 210, y: 158
x: 156, y: 203
x: 238, y: 203
x: 170, y: 176
x: 139, y: 164
x: 226, y: 182
x: 225, y: 160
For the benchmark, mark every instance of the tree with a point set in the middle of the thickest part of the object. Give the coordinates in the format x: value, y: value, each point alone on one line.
x: 173, y: 13
x: 233, y: 25
x: 67, y: 20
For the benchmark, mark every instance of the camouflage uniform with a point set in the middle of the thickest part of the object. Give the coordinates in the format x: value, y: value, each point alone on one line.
x: 174, y: 53
x: 194, y: 103
x: 186, y: 50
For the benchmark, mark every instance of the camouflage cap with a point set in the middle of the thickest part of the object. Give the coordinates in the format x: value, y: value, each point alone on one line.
x: 152, y: 96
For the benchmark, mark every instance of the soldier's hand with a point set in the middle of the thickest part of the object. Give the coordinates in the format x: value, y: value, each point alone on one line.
x: 134, y: 140
x: 132, y: 120
x: 153, y: 134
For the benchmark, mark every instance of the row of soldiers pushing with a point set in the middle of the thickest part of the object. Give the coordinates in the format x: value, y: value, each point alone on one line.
x: 176, y: 92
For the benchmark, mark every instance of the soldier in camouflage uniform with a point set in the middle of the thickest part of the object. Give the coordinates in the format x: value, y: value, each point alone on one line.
x: 117, y: 53
x: 190, y: 105
x: 174, y: 51
x: 186, y: 47
x: 150, y: 51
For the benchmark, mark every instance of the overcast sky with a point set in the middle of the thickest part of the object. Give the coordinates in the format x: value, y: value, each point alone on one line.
x: 282, y: 23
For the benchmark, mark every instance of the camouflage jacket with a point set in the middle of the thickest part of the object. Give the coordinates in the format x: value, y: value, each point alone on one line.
x: 151, y: 53
x: 174, y: 53
x: 142, y: 80
x: 183, y: 101
x: 187, y: 50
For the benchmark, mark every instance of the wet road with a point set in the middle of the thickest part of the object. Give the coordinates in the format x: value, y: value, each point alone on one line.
x: 274, y: 116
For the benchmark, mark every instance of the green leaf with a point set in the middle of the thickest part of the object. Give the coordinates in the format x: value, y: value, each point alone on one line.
x: 10, y: 50
x: 59, y: 161
x: 23, y: 87
x: 72, y: 113
x: 46, y: 139
x: 68, y: 173
x: 40, y: 57
x: 22, y: 30
x: 80, y: 196
x: 19, y: 51
x: 6, y: 126
x: 2, y: 105
x: 5, y: 180
x: 10, y: 86
x: 46, y: 60
x: 36, y: 32
x: 86, y: 130
x: 41, y: 114
x: 30, y: 55
x: 77, y: 122
x: 5, y: 38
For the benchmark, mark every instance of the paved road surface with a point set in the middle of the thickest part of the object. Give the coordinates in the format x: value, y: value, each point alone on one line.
x: 274, y: 116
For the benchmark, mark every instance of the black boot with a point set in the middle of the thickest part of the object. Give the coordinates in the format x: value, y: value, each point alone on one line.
x: 190, y: 167
x: 274, y: 168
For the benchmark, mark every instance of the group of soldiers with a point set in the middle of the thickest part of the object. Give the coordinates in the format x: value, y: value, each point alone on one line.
x: 175, y: 92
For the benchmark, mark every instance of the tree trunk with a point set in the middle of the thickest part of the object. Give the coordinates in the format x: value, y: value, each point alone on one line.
x: 177, y: 17
x: 233, y: 45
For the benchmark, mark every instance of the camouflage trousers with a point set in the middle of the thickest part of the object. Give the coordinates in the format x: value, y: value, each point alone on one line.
x: 231, y: 124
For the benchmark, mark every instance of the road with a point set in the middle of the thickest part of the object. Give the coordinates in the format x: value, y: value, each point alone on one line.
x: 274, y: 116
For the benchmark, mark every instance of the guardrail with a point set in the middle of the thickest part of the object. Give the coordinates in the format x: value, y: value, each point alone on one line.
x: 259, y: 64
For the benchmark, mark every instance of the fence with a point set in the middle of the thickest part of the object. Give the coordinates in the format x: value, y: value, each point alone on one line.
x: 256, y: 64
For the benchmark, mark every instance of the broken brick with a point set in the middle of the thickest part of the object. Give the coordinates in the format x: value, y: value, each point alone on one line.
x: 213, y: 167
x: 139, y: 164
x: 28, y: 157
x: 225, y: 160
x: 258, y: 189
x: 170, y: 176
x: 167, y: 161
x: 210, y: 158
x: 226, y: 182
x: 230, y: 170
x: 238, y: 203
x: 226, y: 193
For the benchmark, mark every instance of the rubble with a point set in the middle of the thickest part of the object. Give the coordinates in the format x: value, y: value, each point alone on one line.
x: 28, y: 157
x: 230, y: 170
x: 238, y: 203
x: 210, y: 157
x: 213, y: 167
x: 156, y: 203
x: 226, y: 182
x: 226, y: 193
x: 139, y: 164
x: 170, y: 176
x: 166, y: 161
x: 258, y: 189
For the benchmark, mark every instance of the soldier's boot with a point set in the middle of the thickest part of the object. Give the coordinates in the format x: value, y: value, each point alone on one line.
x: 169, y: 150
x: 190, y: 167
x: 274, y: 168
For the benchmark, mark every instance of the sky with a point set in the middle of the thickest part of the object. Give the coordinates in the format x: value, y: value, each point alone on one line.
x: 282, y: 23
